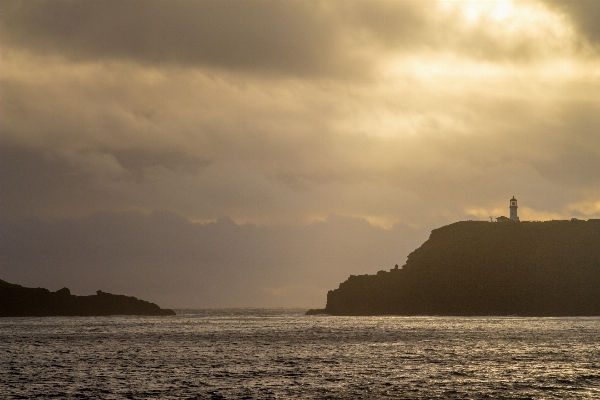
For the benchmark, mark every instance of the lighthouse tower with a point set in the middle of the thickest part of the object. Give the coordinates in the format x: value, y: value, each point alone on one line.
x: 513, y: 209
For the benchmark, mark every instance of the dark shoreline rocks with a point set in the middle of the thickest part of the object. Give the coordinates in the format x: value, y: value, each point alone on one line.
x: 476, y: 268
x: 19, y: 301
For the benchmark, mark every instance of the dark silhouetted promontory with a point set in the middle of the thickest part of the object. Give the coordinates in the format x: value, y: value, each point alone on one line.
x: 19, y: 301
x: 481, y: 268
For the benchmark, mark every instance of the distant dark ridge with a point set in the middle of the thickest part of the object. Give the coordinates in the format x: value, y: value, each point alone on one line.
x: 481, y: 268
x: 19, y: 301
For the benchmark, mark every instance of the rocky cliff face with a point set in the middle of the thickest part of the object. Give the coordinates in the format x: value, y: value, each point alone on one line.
x: 481, y: 268
x: 19, y: 301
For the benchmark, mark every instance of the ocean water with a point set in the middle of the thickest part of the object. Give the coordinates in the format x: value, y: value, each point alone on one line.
x: 281, y: 354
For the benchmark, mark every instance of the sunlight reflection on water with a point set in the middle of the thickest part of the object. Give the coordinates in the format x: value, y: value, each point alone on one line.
x: 283, y: 354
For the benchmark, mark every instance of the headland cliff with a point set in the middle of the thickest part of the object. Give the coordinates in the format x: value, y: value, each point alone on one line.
x: 481, y: 268
x: 19, y: 301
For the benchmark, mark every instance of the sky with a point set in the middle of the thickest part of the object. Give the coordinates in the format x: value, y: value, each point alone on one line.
x: 256, y: 153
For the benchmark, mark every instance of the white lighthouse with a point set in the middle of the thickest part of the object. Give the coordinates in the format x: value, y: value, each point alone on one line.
x: 513, y: 210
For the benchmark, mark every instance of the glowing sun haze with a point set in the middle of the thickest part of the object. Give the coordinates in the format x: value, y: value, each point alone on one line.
x: 256, y: 153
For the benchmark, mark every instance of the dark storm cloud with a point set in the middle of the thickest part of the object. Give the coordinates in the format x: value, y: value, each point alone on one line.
x: 302, y: 38
x: 163, y: 257
x: 30, y: 180
x: 33, y: 181
x: 136, y: 161
x: 288, y: 36
x: 584, y: 13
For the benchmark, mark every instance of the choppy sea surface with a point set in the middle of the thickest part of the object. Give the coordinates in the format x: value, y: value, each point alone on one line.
x: 268, y: 354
